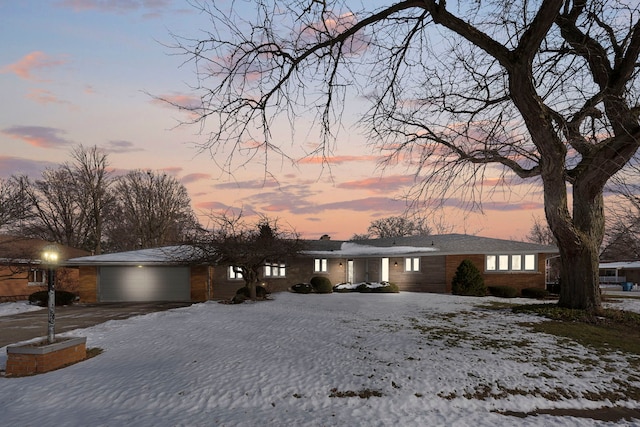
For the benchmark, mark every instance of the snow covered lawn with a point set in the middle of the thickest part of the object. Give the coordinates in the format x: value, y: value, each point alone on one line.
x: 304, y: 360
x: 11, y: 308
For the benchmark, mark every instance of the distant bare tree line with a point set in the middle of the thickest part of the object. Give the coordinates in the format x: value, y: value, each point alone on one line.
x: 82, y: 204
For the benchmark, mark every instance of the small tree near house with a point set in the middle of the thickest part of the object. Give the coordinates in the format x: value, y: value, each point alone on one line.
x: 248, y: 247
x: 468, y: 280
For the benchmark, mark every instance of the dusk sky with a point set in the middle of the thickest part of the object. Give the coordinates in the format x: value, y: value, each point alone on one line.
x: 86, y: 72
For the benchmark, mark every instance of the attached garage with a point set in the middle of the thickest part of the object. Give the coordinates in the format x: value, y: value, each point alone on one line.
x: 143, y: 284
x: 147, y: 275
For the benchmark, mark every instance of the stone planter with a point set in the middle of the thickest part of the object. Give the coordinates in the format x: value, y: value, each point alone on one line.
x: 39, y: 357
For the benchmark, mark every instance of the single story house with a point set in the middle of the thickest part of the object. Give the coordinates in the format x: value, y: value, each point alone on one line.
x: 616, y: 273
x: 415, y: 263
x: 22, y: 272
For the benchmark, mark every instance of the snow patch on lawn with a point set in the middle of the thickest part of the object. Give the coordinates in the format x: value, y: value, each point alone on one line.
x: 302, y: 360
x: 11, y: 308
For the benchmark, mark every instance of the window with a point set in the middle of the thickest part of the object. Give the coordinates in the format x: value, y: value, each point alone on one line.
x: 517, y: 262
x: 37, y: 277
x: 274, y: 269
x: 320, y: 265
x: 412, y: 264
x: 491, y: 263
x: 235, y: 273
x: 530, y: 262
x: 503, y: 262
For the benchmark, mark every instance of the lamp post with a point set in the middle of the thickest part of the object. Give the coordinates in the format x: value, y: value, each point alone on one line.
x: 50, y: 258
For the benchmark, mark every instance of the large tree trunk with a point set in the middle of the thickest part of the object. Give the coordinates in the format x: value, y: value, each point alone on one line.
x: 579, y: 237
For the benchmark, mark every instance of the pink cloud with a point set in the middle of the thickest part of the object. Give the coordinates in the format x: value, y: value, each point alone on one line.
x: 19, y: 166
x: 188, y: 102
x: 44, y: 97
x: 38, y: 136
x: 247, y: 185
x: 120, y: 147
x: 114, y: 6
x: 380, y: 184
x: 193, y: 177
x: 32, y: 62
x: 335, y: 160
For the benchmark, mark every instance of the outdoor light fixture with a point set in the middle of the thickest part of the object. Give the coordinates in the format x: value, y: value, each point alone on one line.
x: 50, y: 259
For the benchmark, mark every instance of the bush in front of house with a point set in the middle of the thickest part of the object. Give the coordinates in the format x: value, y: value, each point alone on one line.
x: 468, y: 281
x: 302, y: 288
x: 321, y: 285
x: 363, y: 288
x: 503, y: 291
x: 41, y: 298
x: 538, y: 293
x: 386, y: 288
x: 261, y: 292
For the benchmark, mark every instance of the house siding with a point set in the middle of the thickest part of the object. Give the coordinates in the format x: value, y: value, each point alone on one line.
x: 430, y: 278
x: 518, y: 280
x: 88, y: 284
x: 200, y: 283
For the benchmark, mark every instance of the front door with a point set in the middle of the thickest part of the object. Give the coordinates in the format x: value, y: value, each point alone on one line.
x: 350, y: 278
x: 384, y: 270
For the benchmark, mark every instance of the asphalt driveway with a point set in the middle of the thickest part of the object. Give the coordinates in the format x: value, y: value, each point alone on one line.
x: 26, y: 326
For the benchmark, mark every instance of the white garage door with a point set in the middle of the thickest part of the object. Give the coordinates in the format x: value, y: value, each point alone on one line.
x: 144, y: 284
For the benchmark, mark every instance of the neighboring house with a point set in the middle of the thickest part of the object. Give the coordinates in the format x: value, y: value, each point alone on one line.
x: 416, y: 264
x: 619, y: 272
x: 22, y: 272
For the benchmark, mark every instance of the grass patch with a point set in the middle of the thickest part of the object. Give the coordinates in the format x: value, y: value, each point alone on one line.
x: 606, y: 330
x: 362, y: 394
x: 93, y: 352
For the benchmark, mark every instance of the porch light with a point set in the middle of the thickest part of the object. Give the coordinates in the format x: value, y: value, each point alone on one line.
x: 50, y: 258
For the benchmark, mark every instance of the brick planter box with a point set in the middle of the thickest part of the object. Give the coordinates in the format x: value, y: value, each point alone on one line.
x: 36, y: 358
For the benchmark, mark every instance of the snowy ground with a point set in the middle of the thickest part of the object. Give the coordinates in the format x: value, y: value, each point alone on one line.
x: 424, y: 359
x: 10, y: 308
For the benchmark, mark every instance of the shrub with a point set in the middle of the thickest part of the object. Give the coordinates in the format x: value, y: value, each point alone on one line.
x: 387, y: 288
x: 321, y: 285
x: 503, y: 291
x: 341, y: 287
x: 261, y: 292
x: 363, y: 288
x: 538, y: 293
x: 468, y: 280
x: 302, y: 288
x: 41, y: 298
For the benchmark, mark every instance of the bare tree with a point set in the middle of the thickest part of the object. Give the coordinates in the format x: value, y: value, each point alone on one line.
x: 248, y: 247
x: 92, y: 179
x: 541, y: 233
x: 395, y: 226
x: 15, y: 205
x: 151, y: 210
x: 68, y: 203
x: 58, y: 213
x: 544, y: 90
x: 622, y: 237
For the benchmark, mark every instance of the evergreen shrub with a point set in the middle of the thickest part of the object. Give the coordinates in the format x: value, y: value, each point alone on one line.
x: 302, y: 288
x: 363, y: 288
x: 321, y: 285
x: 388, y: 288
x: 41, y: 298
x: 468, y: 280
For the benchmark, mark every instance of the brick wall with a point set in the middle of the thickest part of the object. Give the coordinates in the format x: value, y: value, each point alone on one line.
x: 36, y: 362
x: 88, y: 284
